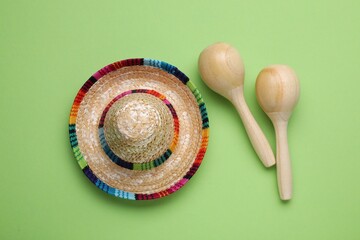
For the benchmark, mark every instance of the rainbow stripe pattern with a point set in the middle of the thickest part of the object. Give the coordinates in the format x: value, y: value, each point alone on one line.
x: 133, y: 62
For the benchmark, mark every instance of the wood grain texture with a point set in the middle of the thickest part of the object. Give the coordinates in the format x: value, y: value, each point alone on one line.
x: 278, y: 91
x: 222, y: 69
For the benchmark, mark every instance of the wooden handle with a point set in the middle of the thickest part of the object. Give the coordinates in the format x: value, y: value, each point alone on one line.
x: 257, y: 137
x: 283, y: 163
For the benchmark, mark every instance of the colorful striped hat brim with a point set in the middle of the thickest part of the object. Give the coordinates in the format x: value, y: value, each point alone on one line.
x: 139, y: 129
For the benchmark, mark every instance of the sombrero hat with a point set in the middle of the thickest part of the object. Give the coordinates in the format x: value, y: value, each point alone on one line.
x: 139, y: 129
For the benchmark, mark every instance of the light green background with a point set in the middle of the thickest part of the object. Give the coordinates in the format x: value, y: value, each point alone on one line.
x: 49, y: 48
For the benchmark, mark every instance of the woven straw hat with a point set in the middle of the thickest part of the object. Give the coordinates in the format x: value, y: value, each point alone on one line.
x: 139, y: 129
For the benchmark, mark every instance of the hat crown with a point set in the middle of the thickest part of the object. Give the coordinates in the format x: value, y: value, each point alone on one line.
x: 138, y: 128
x: 134, y: 122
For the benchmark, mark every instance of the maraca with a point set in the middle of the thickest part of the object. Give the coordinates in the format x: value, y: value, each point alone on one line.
x: 222, y: 69
x: 277, y: 91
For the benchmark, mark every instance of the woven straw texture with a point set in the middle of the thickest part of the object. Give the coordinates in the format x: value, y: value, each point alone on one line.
x: 139, y: 129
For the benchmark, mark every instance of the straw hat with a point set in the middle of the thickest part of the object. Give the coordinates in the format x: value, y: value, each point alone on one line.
x: 139, y: 129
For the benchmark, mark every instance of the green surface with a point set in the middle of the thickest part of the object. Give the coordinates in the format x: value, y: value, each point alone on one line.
x: 49, y: 48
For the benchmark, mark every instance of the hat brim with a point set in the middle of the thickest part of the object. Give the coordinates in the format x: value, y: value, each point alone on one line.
x: 121, y: 77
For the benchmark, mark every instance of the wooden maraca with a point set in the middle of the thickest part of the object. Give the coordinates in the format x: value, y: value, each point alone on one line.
x: 277, y: 91
x: 222, y: 69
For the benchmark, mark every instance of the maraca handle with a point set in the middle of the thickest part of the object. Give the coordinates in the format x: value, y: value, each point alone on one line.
x: 257, y: 137
x: 283, y: 163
